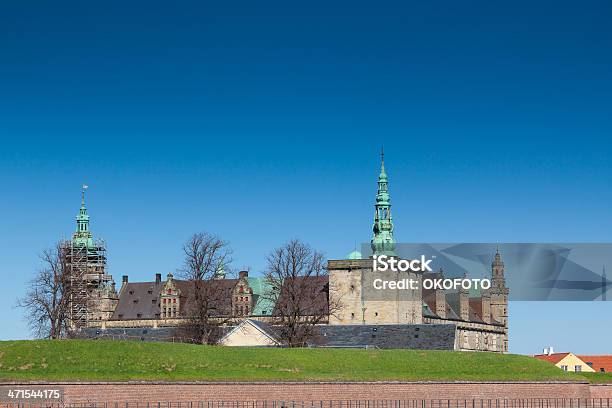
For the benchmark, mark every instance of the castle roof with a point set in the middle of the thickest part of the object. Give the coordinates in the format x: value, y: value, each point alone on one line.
x: 387, y: 336
x: 140, y: 300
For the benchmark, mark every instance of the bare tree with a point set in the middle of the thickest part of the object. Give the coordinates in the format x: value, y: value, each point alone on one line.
x: 300, y: 291
x: 206, y: 257
x: 46, y: 301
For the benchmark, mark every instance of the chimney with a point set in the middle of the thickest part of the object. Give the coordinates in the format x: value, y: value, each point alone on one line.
x: 158, y: 278
x: 550, y: 350
x: 243, y: 274
x: 125, y: 279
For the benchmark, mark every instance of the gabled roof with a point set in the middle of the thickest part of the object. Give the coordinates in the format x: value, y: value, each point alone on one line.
x: 138, y: 300
x: 312, y: 292
x: 263, y: 305
x: 263, y: 328
x: 553, y: 358
x: 598, y: 362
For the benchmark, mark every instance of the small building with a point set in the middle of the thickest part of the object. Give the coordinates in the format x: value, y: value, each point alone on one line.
x: 250, y: 333
x: 565, y: 361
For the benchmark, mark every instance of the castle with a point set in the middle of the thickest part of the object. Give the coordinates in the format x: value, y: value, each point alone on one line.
x: 419, y: 318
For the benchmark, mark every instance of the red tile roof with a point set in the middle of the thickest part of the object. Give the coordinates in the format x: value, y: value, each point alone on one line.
x: 598, y: 362
x: 552, y: 358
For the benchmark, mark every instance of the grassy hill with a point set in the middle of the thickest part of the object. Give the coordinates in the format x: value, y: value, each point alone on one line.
x: 88, y: 360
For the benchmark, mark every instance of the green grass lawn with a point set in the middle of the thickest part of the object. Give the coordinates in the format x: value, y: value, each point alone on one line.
x: 88, y: 360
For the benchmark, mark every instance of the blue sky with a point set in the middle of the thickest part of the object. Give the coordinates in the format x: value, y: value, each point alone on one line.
x: 263, y: 122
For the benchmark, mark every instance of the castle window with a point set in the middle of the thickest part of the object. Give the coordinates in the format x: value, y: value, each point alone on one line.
x: 376, y: 314
x: 174, y: 300
x: 139, y: 315
x: 247, y: 310
x: 352, y: 315
x: 578, y: 368
x: 169, y: 291
x: 564, y: 367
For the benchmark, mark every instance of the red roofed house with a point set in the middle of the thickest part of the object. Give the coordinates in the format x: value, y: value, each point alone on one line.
x: 600, y: 364
x: 565, y: 361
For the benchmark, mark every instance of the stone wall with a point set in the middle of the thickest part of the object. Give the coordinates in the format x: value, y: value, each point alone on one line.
x: 602, y: 391
x: 183, y: 392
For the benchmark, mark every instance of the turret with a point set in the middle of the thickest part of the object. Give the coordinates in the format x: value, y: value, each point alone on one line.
x: 499, y: 291
x: 382, y: 239
x: 82, y: 235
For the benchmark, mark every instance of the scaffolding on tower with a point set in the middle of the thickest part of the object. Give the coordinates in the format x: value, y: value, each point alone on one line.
x: 85, y: 261
x: 86, y: 265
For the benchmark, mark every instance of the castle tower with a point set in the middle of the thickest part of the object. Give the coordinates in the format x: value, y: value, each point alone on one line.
x: 382, y: 240
x: 92, y: 294
x: 353, y: 277
x: 499, y: 294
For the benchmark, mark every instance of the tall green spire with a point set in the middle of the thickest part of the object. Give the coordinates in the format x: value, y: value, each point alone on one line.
x: 82, y: 234
x: 382, y: 240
